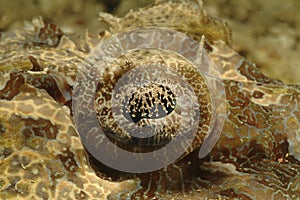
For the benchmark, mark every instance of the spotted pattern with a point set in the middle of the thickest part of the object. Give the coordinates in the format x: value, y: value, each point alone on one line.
x: 42, y: 157
x: 152, y: 101
x: 165, y: 125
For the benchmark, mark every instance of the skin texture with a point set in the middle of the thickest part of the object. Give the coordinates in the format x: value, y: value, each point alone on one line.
x: 41, y: 155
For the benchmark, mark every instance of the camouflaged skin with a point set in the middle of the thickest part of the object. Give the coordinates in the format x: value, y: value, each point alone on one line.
x: 41, y: 155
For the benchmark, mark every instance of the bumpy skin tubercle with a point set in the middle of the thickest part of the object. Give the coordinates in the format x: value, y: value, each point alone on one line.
x: 43, y: 155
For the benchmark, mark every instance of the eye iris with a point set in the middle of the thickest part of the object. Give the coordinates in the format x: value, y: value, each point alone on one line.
x: 150, y: 102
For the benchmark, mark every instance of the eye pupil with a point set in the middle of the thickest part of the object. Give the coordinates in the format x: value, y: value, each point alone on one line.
x: 150, y: 102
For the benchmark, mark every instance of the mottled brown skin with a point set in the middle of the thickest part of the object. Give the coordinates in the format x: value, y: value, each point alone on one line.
x: 41, y: 155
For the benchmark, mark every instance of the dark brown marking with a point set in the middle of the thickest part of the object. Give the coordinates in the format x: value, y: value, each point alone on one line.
x: 35, y: 64
x: 253, y: 74
x: 49, y: 34
x: 40, y: 128
x: 257, y: 94
x: 248, y: 117
x: 68, y: 160
x: 12, y: 87
x: 7, y: 152
x: 81, y: 195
